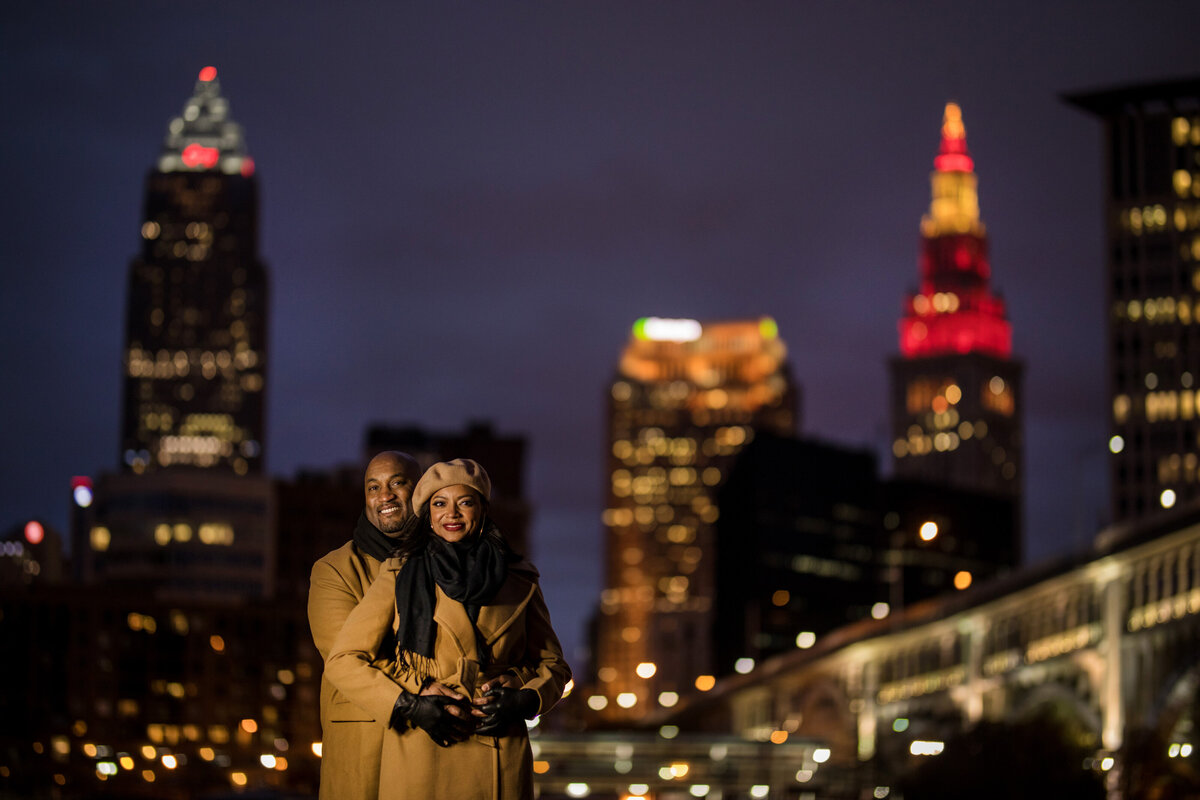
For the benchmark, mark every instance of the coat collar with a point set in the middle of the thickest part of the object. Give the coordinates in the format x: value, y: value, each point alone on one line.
x: 494, y: 618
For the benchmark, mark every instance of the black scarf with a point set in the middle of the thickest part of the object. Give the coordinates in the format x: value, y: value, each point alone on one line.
x: 372, y: 541
x: 470, y: 571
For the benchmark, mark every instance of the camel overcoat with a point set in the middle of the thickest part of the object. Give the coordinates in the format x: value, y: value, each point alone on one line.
x: 515, y: 627
x: 351, y: 737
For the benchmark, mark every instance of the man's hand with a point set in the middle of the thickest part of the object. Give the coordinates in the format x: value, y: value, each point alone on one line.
x: 442, y: 690
x: 437, y: 710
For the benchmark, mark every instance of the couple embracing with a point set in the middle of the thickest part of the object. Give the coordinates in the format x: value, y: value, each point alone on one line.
x: 437, y: 643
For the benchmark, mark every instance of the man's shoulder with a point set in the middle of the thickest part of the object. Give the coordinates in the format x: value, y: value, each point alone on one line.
x: 345, y: 552
x: 345, y: 559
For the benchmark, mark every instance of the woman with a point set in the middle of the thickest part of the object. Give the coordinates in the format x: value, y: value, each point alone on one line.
x: 474, y: 656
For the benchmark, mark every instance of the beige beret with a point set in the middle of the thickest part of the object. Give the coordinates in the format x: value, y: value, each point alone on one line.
x: 460, y: 471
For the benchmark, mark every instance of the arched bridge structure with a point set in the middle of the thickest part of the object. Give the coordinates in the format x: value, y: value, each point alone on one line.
x: 1109, y: 641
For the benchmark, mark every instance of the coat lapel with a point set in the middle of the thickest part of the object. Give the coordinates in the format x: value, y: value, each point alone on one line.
x: 505, y: 608
x: 494, y: 618
x: 452, y: 620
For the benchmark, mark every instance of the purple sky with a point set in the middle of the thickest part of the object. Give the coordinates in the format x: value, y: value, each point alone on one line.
x: 465, y: 206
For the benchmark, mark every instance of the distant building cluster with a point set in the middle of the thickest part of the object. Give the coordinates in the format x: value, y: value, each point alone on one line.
x: 730, y: 540
x: 777, y: 619
x: 172, y: 654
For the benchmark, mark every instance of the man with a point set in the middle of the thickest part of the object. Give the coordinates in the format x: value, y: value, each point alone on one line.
x: 352, y: 738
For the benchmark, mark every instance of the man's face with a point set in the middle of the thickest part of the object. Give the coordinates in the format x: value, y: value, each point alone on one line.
x: 387, y: 488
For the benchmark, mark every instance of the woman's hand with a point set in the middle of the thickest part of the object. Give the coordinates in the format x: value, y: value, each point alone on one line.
x: 506, y: 679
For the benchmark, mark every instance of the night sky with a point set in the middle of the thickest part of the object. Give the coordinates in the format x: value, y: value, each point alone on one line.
x: 465, y: 206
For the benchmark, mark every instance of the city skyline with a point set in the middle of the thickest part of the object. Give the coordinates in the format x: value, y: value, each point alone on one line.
x: 506, y: 193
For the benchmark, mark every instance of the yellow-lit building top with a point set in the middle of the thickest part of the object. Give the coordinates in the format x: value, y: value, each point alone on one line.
x: 954, y: 208
x: 735, y: 366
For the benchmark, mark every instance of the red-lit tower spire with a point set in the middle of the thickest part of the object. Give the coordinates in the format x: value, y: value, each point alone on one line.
x: 956, y: 390
x: 955, y: 310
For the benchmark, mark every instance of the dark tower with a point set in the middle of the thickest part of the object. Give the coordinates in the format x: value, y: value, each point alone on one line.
x: 1152, y: 212
x: 196, y: 325
x: 956, y: 391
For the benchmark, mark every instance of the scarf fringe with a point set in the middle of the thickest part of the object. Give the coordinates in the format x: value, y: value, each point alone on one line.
x: 416, y: 665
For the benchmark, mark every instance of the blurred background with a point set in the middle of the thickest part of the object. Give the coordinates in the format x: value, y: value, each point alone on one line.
x: 658, y: 266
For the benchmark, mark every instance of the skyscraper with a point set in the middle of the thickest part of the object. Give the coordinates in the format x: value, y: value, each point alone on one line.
x: 1152, y: 210
x: 190, y: 514
x: 956, y: 391
x: 686, y: 398
x: 196, y: 324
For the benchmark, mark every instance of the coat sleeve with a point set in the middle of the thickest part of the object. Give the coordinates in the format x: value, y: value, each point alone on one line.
x: 330, y: 601
x: 543, y: 655
x: 349, y: 665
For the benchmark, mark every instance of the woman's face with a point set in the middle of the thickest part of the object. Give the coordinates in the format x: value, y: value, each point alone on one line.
x: 455, y: 513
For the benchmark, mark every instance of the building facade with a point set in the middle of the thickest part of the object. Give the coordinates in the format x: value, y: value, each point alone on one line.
x: 956, y: 390
x: 686, y: 399
x: 1152, y: 215
x: 196, y: 325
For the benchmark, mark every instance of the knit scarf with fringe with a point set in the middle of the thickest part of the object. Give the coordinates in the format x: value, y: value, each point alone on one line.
x: 469, y: 571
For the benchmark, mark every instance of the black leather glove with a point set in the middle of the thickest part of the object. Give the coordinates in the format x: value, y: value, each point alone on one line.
x: 504, y: 707
x: 429, y: 712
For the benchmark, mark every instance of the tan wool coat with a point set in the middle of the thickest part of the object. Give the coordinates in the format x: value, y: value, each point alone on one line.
x: 515, y: 628
x: 351, y: 737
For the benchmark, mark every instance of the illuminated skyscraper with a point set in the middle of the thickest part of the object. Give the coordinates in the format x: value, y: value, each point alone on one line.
x: 1152, y: 209
x: 196, y: 324
x: 956, y: 391
x: 191, y: 514
x: 686, y: 399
